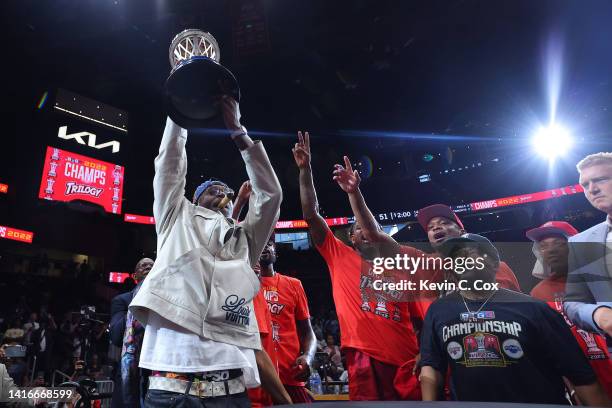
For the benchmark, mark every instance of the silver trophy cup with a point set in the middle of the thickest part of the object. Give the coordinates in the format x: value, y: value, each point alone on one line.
x: 197, y: 79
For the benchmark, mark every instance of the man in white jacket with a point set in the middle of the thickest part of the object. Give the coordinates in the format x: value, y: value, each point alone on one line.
x: 201, y: 338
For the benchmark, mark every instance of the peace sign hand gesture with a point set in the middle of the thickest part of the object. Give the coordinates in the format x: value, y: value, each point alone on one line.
x: 301, y: 151
x: 347, y: 178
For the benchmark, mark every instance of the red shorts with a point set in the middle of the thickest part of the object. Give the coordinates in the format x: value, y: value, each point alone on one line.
x: 406, y: 383
x: 259, y: 397
x: 370, y: 379
x: 298, y: 394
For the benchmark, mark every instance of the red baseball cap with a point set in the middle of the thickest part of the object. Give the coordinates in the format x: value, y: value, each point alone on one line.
x: 437, y: 210
x: 551, y: 228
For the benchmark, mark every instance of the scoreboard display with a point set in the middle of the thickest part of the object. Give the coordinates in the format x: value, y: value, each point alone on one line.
x: 118, y: 277
x: 69, y: 176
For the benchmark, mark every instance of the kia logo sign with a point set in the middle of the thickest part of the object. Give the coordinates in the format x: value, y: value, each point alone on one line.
x: 91, y: 139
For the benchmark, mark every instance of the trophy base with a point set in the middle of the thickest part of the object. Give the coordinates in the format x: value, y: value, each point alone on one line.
x: 193, y: 89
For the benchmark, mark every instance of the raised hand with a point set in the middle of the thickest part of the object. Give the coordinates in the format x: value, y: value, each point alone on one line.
x: 257, y: 268
x: 347, y: 178
x: 231, y: 113
x: 245, y: 191
x: 301, y: 151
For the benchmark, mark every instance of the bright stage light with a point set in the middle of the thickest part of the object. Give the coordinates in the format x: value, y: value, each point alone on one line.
x: 552, y: 141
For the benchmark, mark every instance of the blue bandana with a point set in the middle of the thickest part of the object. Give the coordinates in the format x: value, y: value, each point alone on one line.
x: 202, y: 187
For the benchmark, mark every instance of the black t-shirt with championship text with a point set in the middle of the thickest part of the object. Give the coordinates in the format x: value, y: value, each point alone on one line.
x: 517, y: 351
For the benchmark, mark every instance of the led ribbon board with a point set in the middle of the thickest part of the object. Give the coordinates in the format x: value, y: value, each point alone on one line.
x: 139, y: 219
x: 16, y: 234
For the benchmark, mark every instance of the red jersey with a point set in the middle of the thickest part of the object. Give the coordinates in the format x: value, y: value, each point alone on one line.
x: 287, y: 304
x: 380, y: 329
x: 506, y: 278
x: 264, y: 321
x: 552, y: 291
x: 258, y: 396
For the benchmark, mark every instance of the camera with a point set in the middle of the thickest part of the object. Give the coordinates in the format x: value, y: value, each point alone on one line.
x: 86, y: 317
x: 322, y: 358
x: 322, y: 362
x: 88, y: 312
x: 87, y: 321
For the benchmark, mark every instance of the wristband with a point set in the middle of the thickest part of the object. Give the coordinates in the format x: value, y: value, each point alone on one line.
x: 241, y: 131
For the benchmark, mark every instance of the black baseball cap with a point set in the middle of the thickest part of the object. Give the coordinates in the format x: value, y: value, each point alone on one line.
x: 449, y: 246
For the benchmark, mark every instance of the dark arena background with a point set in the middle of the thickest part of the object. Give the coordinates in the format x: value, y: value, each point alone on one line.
x: 434, y: 102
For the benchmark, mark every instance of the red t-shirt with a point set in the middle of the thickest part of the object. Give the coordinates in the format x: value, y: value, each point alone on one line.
x: 287, y: 304
x: 552, y: 291
x: 258, y: 396
x: 264, y: 321
x: 506, y: 278
x: 380, y: 329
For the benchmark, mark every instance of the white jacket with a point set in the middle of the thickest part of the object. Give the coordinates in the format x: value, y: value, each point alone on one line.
x: 202, y: 279
x: 6, y: 386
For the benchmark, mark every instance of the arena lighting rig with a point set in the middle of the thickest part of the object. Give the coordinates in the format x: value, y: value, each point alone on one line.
x: 552, y: 141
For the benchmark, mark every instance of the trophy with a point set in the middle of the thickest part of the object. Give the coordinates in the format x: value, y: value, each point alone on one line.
x: 197, y: 79
x: 49, y: 189
x: 365, y: 305
x: 116, y: 178
x: 590, y: 342
x: 480, y: 340
x: 52, y: 172
x: 117, y: 175
x: 381, y: 308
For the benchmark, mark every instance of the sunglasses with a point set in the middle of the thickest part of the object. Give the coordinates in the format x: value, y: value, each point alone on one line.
x: 216, y: 190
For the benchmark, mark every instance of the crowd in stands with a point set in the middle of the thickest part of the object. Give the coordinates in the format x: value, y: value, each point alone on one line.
x: 41, y: 309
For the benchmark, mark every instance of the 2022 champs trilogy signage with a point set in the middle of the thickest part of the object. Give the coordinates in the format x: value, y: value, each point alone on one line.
x: 69, y: 176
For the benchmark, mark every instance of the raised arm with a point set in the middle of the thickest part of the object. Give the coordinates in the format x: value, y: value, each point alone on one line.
x: 308, y: 196
x: 170, y: 172
x: 266, y: 195
x: 241, y: 199
x: 231, y: 117
x: 348, y: 180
